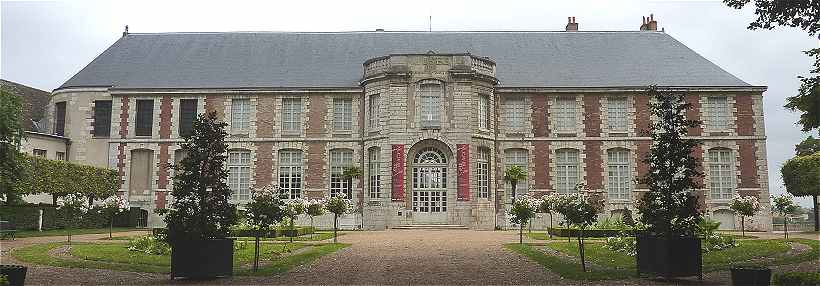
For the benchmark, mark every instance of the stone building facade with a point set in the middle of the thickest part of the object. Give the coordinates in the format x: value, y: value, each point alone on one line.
x: 432, y: 119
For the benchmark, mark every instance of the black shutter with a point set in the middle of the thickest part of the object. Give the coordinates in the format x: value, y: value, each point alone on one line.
x: 144, y: 118
x: 59, y: 121
x: 102, y: 118
x: 187, y: 111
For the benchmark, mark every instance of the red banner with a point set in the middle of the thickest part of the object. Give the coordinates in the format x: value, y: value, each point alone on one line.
x: 463, y: 157
x: 397, y: 193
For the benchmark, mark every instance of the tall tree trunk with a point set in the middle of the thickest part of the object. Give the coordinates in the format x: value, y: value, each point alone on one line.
x: 513, y: 185
x: 335, y: 216
x: 311, y: 228
x: 256, y: 253
x: 548, y: 230
x: 581, y: 251
x: 742, y: 226
x: 785, y: 227
x: 521, y: 233
x: 816, y: 214
x: 110, y: 227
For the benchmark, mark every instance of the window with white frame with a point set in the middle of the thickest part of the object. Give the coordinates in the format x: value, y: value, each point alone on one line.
x: 291, y: 115
x: 239, y: 174
x: 290, y: 174
x: 483, y: 111
x: 339, y: 160
x: 566, y: 114
x: 517, y: 157
x: 619, y: 174
x: 718, y: 115
x: 721, y: 174
x: 430, y: 95
x: 374, y: 110
x: 515, y: 113
x: 342, y: 114
x: 617, y: 118
x: 567, y: 170
x: 373, y: 166
x: 482, y: 173
x: 240, y: 115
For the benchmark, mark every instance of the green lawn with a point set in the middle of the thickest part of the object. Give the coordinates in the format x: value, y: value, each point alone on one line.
x: 63, y: 232
x: 616, y: 265
x: 117, y: 257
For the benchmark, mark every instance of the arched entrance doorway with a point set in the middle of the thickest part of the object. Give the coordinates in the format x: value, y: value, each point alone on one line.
x: 429, y: 197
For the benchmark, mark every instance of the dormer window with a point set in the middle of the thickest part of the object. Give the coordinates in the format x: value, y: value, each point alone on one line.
x: 430, y: 101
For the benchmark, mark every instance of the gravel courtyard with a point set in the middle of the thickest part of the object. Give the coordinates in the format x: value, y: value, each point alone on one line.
x: 375, y: 257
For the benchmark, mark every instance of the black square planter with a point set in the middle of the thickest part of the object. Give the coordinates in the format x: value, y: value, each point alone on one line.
x: 669, y: 257
x: 15, y: 273
x: 202, y: 259
x: 751, y: 276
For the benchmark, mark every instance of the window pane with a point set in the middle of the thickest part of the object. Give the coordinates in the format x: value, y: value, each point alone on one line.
x: 342, y: 114
x: 374, y: 111
x: 59, y: 118
x: 566, y: 113
x: 717, y: 112
x: 239, y: 177
x: 102, y: 118
x: 373, y: 170
x: 483, y: 173
x: 240, y: 113
x: 619, y: 174
x: 290, y: 173
x: 144, y: 117
x: 339, y: 160
x: 291, y: 115
x: 517, y: 157
x: 617, y: 114
x: 721, y: 174
x: 430, y: 96
x: 567, y: 170
x: 187, y: 111
x: 483, y: 111
x: 515, y: 113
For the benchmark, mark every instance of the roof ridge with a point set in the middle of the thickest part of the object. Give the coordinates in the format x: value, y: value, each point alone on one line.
x: 399, y: 32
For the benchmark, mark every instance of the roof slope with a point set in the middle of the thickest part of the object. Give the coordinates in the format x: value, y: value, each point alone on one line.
x: 34, y: 102
x: 334, y: 59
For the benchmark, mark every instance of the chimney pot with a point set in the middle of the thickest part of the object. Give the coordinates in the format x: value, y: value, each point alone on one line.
x: 649, y: 23
x: 572, y: 26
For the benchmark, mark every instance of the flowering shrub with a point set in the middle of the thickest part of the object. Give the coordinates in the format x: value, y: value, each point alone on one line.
x: 116, y: 204
x: 73, y: 203
x: 744, y: 206
x: 338, y: 205
x: 549, y: 202
x: 717, y: 241
x: 265, y: 208
x: 523, y: 209
x: 149, y: 244
x: 625, y: 244
x: 577, y: 210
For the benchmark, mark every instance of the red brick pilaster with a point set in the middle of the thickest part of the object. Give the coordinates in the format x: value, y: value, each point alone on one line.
x: 162, y: 171
x: 165, y: 110
x: 592, y: 116
x: 642, y: 119
x: 540, y: 111
x: 745, y: 115
x: 397, y: 167
x: 643, y: 167
x: 215, y: 103
x: 316, y: 116
x: 463, y: 171
x: 697, y: 153
x: 594, y: 165
x: 315, y: 173
x: 694, y: 114
x: 121, y: 163
x: 264, y: 164
x: 124, y: 117
x: 542, y: 159
x: 748, y: 164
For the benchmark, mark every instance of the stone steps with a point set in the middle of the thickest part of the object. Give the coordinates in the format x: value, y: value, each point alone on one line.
x: 430, y: 226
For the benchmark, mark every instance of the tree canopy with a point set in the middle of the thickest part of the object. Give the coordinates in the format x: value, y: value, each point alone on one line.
x: 807, y: 147
x: 10, y: 135
x: 59, y: 177
x: 803, y: 14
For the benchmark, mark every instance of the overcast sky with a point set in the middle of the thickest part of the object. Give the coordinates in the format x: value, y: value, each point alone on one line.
x: 45, y: 43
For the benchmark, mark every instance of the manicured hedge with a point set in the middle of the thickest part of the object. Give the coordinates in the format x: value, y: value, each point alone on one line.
x: 61, y: 177
x: 300, y: 230
x: 564, y: 232
x: 26, y: 218
x: 797, y: 279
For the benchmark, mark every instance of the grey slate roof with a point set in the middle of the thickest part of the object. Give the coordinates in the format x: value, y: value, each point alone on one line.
x: 334, y: 59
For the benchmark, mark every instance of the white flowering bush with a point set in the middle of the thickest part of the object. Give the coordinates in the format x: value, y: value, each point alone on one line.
x: 74, y: 203
x: 149, y: 244
x: 522, y: 210
x: 314, y: 208
x: 338, y: 205
x: 265, y: 209
x: 112, y: 206
x: 744, y: 206
x: 625, y: 244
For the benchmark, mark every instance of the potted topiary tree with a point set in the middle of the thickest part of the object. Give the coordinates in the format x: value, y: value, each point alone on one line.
x: 521, y: 212
x: 578, y: 211
x: 293, y: 208
x: 200, y: 216
x: 338, y: 205
x: 74, y: 206
x: 784, y: 205
x: 264, y: 211
x: 744, y: 206
x: 113, y: 206
x: 315, y: 208
x: 669, y: 246
x: 549, y: 204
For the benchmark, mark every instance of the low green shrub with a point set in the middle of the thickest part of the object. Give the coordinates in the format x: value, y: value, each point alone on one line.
x: 625, y: 244
x: 797, y: 279
x: 149, y: 244
x: 572, y: 232
x: 4, y: 280
x: 25, y: 217
x: 717, y: 242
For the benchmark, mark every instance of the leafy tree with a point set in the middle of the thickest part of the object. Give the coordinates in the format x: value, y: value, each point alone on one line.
x: 58, y: 178
x: 807, y: 147
x: 744, y: 206
x: 513, y: 174
x: 521, y: 212
x: 264, y: 210
x: 801, y: 176
x: 74, y: 206
x: 200, y: 209
x: 580, y: 211
x: 784, y: 205
x: 293, y: 208
x: 669, y: 208
x: 338, y: 205
x: 348, y: 174
x: 805, y: 15
x: 10, y: 135
x: 550, y: 204
x: 315, y: 208
x: 113, y: 206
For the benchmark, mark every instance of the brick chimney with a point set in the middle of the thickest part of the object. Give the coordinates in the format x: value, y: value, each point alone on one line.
x: 572, y: 26
x: 649, y: 24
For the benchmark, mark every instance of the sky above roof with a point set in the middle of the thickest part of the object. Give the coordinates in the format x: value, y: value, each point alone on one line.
x: 43, y: 44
